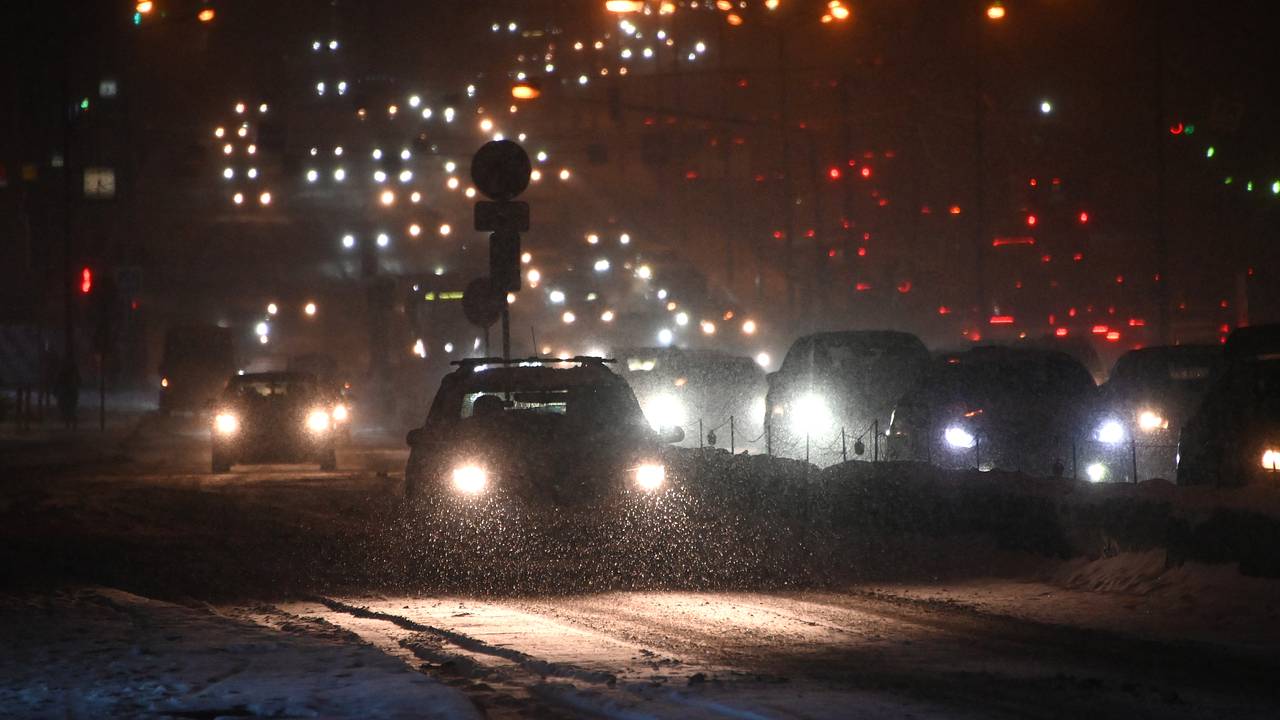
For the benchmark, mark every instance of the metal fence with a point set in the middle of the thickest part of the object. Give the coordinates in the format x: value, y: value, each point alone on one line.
x: 1085, y: 459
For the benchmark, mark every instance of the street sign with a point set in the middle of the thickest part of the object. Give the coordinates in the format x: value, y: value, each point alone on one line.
x: 504, y: 261
x: 482, y: 303
x: 500, y: 169
x: 511, y: 216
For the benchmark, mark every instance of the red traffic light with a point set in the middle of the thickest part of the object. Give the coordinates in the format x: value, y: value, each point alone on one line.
x: 86, y: 281
x: 834, y: 172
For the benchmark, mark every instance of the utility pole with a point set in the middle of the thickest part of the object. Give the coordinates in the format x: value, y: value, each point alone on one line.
x: 1161, y: 238
x: 979, y: 175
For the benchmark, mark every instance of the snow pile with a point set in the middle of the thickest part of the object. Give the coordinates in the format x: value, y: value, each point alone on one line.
x: 109, y: 654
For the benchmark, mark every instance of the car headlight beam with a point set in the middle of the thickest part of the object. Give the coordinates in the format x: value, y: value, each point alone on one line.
x: 651, y: 476
x: 959, y: 438
x: 226, y: 423
x: 1271, y: 459
x: 340, y: 413
x: 665, y: 410
x: 470, y: 479
x: 318, y: 421
x: 811, y: 415
x: 1151, y: 421
x: 1110, y: 432
x: 1096, y: 472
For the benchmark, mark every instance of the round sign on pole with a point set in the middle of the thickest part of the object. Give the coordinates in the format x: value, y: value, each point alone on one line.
x: 481, y: 303
x: 500, y: 169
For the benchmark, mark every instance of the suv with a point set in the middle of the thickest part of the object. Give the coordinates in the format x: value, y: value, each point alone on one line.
x: 995, y: 408
x: 1141, y: 408
x: 835, y: 383
x: 1233, y: 437
x: 273, y: 417
x: 539, y: 430
x: 678, y: 387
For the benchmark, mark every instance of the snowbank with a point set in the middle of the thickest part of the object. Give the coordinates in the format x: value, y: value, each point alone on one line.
x: 107, y: 654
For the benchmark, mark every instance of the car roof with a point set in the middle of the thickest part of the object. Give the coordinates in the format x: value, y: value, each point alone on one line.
x: 1256, y: 342
x: 291, y: 376
x: 531, y: 374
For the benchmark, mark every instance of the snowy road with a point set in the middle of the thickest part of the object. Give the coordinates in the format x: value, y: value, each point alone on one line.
x: 789, y: 655
x: 309, y: 592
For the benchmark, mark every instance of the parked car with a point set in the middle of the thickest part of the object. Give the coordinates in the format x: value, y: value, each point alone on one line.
x: 273, y: 417
x: 538, y: 430
x: 678, y: 387
x: 837, y: 382
x: 1233, y: 437
x: 995, y: 408
x: 1141, y: 409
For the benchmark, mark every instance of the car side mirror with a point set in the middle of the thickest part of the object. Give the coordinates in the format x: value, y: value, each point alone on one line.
x: 672, y: 434
x: 414, y: 437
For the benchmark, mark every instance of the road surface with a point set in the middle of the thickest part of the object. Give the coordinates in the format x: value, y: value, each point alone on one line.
x: 326, y: 561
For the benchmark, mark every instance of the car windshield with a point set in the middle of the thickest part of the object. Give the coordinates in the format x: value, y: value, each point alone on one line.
x: 271, y: 388
x: 1010, y: 381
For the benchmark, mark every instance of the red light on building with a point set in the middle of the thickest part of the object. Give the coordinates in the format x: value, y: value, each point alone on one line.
x: 691, y: 175
x: 1046, y: 258
x: 1078, y: 256
x: 1032, y: 220
x: 809, y: 233
x: 1001, y: 320
x: 831, y: 253
x: 866, y: 171
x: 1071, y: 312
x: 926, y: 210
x: 1224, y: 328
x: 1018, y: 240
x: 944, y: 310
x: 1119, y: 279
x: 1084, y: 217
x: 86, y: 281
x: 904, y: 287
x: 1100, y: 330
x: 1033, y: 182
x: 777, y: 234
x: 1137, y: 322
x: 862, y: 252
x: 1113, y: 336
x: 862, y: 286
x: 1061, y: 332
x: 1053, y: 319
x: 954, y: 210
x: 834, y: 173
x: 1224, y: 304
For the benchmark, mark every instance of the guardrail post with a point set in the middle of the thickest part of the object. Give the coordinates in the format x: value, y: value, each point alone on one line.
x: 806, y: 446
x: 1133, y: 453
x: 977, y: 452
x: 844, y: 447
x: 733, y: 450
x: 875, y: 440
x: 700, y: 447
x: 1075, y: 471
x: 768, y: 437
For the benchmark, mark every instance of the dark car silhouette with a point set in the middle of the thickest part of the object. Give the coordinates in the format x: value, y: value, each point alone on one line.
x: 273, y: 417
x: 538, y: 430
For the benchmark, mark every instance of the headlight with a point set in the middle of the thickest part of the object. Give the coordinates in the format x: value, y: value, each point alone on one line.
x: 226, y: 423
x: 959, y: 438
x: 651, y: 476
x: 811, y: 415
x: 470, y: 479
x: 1150, y: 421
x: 318, y: 421
x: 1271, y: 459
x: 1096, y: 472
x: 1110, y: 432
x: 340, y: 413
x: 665, y: 410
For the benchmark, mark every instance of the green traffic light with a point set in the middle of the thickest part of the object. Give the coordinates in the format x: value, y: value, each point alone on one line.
x: 84, y: 103
x: 137, y: 18
x: 1228, y: 180
x: 1275, y: 187
x: 1248, y: 187
x: 1209, y: 152
x: 1190, y: 130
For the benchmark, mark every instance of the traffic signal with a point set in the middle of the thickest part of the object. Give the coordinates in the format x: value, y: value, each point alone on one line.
x: 86, y: 281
